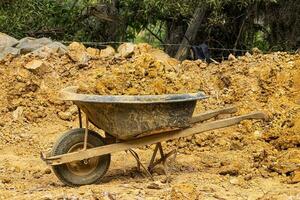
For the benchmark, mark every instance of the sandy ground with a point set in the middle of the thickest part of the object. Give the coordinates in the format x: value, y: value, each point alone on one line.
x: 194, y: 174
x: 252, y: 160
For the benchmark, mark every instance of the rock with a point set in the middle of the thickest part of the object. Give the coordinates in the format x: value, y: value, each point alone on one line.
x: 166, y: 59
x: 231, y: 57
x: 97, y: 193
x: 47, y: 197
x: 247, y: 54
x: 29, y: 44
x: 155, y: 185
x: 126, y: 50
x: 58, y: 47
x: 287, y: 162
x: 37, y: 175
x: 67, y: 197
x: 65, y: 115
x: 47, y: 171
x: 76, y: 46
x: 230, y: 170
x: 93, y: 53
x: 4, y: 51
x: 68, y: 114
x: 73, y: 109
x: 107, y: 52
x: 184, y: 191
x: 17, y: 113
x: 248, y: 177
x: 257, y: 134
x: 256, y: 51
x: 296, y: 177
x: 77, y: 52
x: 6, y: 181
x: 265, y: 72
x: 236, y: 181
x: 108, y: 196
x: 37, y: 66
x: 54, y: 47
x: 7, y: 41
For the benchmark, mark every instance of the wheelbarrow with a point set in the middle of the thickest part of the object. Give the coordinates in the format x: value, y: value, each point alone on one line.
x: 82, y: 156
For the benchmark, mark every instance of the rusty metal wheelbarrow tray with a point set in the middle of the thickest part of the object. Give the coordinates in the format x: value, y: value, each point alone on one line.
x: 126, y: 117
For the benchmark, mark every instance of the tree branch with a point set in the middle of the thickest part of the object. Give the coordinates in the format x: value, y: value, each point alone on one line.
x: 156, y: 36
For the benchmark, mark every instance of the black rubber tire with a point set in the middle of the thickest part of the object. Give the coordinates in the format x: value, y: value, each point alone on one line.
x: 63, y: 145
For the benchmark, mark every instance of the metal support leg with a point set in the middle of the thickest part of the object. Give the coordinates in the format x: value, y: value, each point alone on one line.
x: 150, y: 166
x: 79, y: 116
x: 86, y: 132
x: 163, y: 158
x: 135, y: 155
x: 137, y: 158
x: 161, y: 151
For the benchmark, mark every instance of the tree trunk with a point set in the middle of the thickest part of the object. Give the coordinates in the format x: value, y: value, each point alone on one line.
x: 175, y: 32
x: 191, y: 32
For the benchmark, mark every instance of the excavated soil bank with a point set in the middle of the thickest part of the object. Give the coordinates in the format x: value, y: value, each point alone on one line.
x: 253, y: 160
x: 146, y: 72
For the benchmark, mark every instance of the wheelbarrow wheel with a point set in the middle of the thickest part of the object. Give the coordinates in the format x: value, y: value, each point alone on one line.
x: 84, y: 172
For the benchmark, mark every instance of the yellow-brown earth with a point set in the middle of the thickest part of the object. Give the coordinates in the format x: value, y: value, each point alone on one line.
x: 253, y: 160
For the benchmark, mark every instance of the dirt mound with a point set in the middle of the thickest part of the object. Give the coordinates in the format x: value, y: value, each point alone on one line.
x: 268, y: 83
x: 29, y: 104
x: 145, y: 74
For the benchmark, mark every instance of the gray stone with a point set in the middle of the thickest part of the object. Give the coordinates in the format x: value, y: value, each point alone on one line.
x: 231, y: 57
x: 247, y: 54
x: 4, y: 51
x: 7, y: 41
x: 54, y: 47
x: 29, y: 44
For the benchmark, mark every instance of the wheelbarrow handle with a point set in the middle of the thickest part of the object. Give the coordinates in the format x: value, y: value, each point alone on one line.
x: 147, y: 140
x: 255, y: 115
x: 212, y: 113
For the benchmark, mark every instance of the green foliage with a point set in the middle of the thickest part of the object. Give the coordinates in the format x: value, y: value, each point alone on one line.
x: 240, y: 24
x: 58, y: 19
x: 147, y: 37
x: 260, y: 41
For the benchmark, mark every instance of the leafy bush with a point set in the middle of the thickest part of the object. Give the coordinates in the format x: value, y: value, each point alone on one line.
x: 57, y: 19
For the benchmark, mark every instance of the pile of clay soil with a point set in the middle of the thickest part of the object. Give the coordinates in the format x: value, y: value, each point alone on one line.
x: 269, y: 83
x: 146, y: 71
x: 29, y: 103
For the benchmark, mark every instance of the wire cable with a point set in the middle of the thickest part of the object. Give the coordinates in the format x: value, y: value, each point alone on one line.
x: 104, y: 44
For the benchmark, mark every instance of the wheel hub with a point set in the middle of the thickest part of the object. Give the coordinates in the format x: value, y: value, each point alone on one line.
x: 82, y: 167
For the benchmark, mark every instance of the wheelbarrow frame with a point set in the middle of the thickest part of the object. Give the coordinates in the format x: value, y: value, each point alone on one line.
x: 114, y: 144
x: 156, y: 138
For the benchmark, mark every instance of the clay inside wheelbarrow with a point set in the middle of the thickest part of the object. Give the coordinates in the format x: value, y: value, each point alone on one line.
x: 127, y: 117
